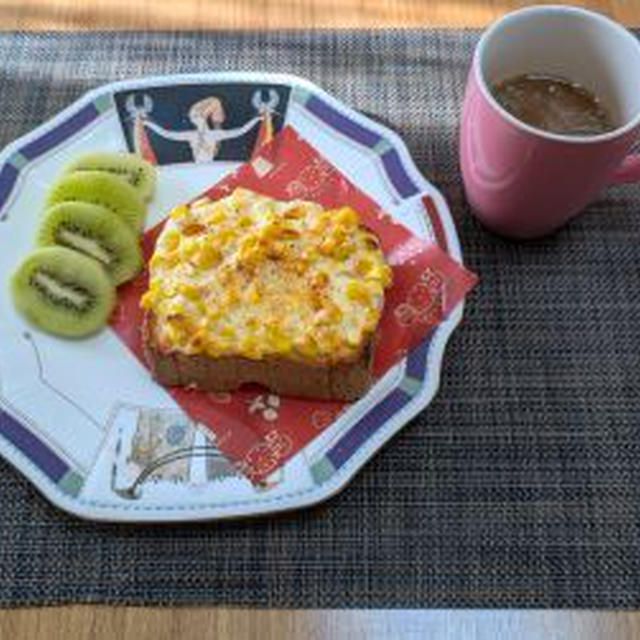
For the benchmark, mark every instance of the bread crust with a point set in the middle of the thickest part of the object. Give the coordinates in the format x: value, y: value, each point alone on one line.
x: 346, y: 381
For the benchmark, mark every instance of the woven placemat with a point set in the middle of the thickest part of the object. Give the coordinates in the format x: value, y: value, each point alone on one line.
x: 519, y: 486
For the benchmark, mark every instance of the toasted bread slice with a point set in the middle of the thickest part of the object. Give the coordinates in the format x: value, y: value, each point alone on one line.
x: 344, y: 381
x: 286, y: 294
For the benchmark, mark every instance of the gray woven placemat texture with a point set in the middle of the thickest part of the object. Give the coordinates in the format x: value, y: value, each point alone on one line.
x: 518, y: 487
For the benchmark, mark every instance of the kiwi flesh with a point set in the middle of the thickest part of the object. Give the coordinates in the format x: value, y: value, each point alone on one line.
x: 63, y: 292
x: 139, y: 173
x: 101, y: 188
x: 95, y: 232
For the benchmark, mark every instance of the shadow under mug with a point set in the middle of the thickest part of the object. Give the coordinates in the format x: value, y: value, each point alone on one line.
x: 524, y: 182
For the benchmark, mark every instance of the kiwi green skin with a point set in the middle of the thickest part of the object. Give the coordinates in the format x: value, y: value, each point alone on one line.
x: 67, y: 266
x: 104, y: 189
x: 100, y: 223
x: 139, y: 173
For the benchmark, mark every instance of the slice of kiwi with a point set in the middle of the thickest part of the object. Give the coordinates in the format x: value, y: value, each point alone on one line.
x: 96, y: 232
x: 139, y: 173
x: 63, y: 292
x: 105, y: 189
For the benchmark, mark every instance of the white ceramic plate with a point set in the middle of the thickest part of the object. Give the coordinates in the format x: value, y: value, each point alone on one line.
x: 82, y: 419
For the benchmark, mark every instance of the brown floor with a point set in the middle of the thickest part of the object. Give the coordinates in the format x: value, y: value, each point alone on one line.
x: 272, y: 14
x: 99, y: 622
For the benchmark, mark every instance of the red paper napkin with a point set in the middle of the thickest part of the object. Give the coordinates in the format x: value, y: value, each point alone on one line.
x: 258, y: 430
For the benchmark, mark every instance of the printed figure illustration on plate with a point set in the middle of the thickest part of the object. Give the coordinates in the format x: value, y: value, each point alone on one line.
x: 201, y: 123
x: 156, y: 447
x: 164, y: 446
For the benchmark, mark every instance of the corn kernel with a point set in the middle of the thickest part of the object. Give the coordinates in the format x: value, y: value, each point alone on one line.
x: 193, y: 229
x: 238, y: 197
x: 188, y: 248
x: 215, y: 346
x: 319, y: 280
x: 155, y: 285
x: 245, y: 221
x: 225, y: 275
x: 381, y: 273
x: 174, y: 333
x: 227, y: 332
x: 179, y: 212
x: 248, y: 342
x: 250, y: 254
x: 207, y: 257
x: 300, y: 267
x: 339, y: 234
x: 282, y: 344
x: 169, y: 259
x: 146, y: 302
x: 223, y: 236
x: 357, y: 291
x: 175, y: 308
x: 323, y: 336
x: 347, y: 216
x: 344, y: 251
x: 334, y: 311
x: 211, y: 348
x: 289, y: 233
x: 354, y: 337
x: 278, y: 340
x: 169, y: 289
x: 327, y: 246
x: 269, y: 230
x: 320, y: 221
x: 363, y: 266
x: 309, y: 254
x: 332, y: 241
x: 371, y: 318
x: 295, y: 213
x: 156, y: 260
x: 307, y: 345
x: 329, y: 314
x: 216, y: 216
x: 201, y: 307
x: 171, y: 239
x: 198, y: 338
x: 251, y: 347
x: 212, y: 315
x: 229, y: 298
x: 253, y: 294
x: 189, y: 291
x: 276, y: 251
x: 247, y: 242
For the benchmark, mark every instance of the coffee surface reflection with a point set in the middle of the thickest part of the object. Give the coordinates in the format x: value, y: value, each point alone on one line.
x: 553, y: 104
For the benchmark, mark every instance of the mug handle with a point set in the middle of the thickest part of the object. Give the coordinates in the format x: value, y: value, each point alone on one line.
x: 628, y: 171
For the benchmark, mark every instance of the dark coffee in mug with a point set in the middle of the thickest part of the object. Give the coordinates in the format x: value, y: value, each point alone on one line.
x: 553, y: 104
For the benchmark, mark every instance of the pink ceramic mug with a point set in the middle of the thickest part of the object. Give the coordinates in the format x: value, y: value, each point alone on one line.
x: 521, y: 181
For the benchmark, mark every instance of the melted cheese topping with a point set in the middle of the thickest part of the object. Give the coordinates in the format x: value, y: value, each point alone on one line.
x: 251, y: 276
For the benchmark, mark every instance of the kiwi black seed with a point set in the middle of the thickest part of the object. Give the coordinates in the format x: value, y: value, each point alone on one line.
x: 101, y: 188
x: 139, y: 173
x: 95, y: 232
x: 63, y: 292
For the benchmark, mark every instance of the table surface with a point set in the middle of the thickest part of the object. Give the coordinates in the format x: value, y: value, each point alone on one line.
x: 95, y: 621
x: 273, y: 14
